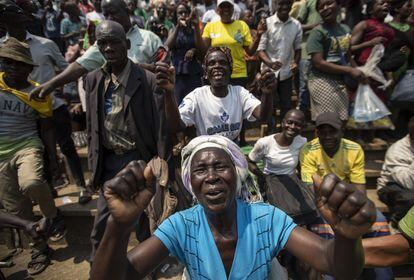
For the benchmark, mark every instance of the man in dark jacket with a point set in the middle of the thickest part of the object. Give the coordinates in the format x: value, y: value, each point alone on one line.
x: 123, y: 119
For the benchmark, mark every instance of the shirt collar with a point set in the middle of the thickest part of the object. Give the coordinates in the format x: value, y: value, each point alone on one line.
x: 122, y: 78
x: 277, y: 20
x: 28, y: 36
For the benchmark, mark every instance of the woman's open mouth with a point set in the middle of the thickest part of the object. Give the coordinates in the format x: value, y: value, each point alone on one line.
x: 215, y: 194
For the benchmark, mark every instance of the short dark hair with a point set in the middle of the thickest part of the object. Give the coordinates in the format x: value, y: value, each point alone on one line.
x: 317, y: 3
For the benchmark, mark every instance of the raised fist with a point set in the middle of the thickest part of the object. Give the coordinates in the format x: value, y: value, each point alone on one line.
x: 347, y: 210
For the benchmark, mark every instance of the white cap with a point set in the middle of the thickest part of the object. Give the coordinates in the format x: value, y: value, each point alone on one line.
x: 219, y: 2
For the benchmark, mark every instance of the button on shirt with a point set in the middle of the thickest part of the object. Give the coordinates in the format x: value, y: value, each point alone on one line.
x: 144, y: 44
x: 279, y: 42
x: 117, y: 137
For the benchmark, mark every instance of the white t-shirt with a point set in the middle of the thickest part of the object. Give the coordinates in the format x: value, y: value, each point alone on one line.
x: 214, y: 115
x: 212, y: 16
x: 278, y: 160
x: 94, y: 16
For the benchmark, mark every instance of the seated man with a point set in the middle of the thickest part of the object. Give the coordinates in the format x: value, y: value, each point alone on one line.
x: 330, y: 153
x: 21, y: 149
x: 217, y: 108
x: 396, y: 184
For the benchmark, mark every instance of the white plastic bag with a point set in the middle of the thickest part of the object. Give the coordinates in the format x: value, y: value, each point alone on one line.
x: 368, y: 107
x: 370, y: 68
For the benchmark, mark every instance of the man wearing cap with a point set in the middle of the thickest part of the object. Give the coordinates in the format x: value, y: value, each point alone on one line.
x: 21, y: 149
x: 47, y: 56
x: 122, y: 117
x: 144, y: 44
x: 331, y: 153
x: 234, y: 34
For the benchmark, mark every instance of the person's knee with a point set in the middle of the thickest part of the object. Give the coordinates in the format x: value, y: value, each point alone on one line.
x: 31, y: 185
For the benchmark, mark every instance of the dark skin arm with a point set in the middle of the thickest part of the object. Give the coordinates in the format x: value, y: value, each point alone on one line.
x: 267, y: 85
x: 165, y: 80
x: 266, y: 60
x: 309, y: 26
x: 261, y: 28
x: 73, y: 72
x: 386, y: 251
x: 350, y: 214
x: 12, y: 221
x: 357, y: 36
x: 127, y: 197
x: 322, y: 65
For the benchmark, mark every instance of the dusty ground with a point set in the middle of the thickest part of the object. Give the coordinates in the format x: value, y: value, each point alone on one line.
x: 68, y: 263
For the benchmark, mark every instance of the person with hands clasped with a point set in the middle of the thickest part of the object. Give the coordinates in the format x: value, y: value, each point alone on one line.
x: 185, y: 44
x: 329, y: 48
x: 218, y: 108
x: 279, y: 49
x: 237, y: 242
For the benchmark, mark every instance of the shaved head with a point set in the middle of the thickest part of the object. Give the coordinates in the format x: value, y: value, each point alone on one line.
x: 116, y: 10
x: 294, y: 112
x: 110, y: 29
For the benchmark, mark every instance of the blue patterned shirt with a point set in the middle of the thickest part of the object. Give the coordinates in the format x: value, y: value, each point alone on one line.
x: 263, y: 231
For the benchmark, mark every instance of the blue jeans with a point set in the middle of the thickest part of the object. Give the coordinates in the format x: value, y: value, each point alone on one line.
x: 304, y: 98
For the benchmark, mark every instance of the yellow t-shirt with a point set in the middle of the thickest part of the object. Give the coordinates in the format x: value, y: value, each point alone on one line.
x: 235, y: 36
x: 348, y: 162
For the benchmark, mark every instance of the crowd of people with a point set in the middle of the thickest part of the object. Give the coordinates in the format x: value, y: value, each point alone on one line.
x: 162, y: 93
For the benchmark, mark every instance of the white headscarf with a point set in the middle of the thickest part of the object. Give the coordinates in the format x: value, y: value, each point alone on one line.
x: 246, y: 190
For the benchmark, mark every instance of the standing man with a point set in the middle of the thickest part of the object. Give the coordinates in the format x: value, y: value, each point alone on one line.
x: 122, y: 117
x: 48, y: 57
x: 144, y: 44
x: 279, y: 49
x: 331, y: 153
x: 21, y: 149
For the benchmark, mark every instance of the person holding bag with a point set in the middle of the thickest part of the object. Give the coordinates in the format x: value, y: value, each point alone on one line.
x: 329, y: 45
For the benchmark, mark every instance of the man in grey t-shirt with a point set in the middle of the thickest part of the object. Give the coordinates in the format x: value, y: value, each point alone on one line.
x: 21, y: 149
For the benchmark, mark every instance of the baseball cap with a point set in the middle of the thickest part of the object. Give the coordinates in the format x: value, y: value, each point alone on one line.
x: 331, y: 118
x: 219, y: 2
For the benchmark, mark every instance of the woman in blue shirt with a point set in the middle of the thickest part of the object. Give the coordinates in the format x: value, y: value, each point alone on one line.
x: 225, y: 236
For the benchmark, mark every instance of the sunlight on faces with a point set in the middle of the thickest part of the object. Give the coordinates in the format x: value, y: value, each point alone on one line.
x: 218, y: 69
x: 293, y: 123
x: 214, y: 179
x: 329, y: 137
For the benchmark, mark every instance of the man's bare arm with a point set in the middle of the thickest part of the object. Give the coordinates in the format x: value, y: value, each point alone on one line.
x: 70, y: 74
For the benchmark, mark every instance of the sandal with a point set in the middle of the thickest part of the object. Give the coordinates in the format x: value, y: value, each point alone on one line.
x: 40, y: 260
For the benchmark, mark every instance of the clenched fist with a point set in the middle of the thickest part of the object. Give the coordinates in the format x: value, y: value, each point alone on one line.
x: 129, y: 192
x: 347, y: 210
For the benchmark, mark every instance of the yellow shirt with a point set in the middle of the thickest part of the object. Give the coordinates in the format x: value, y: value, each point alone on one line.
x: 235, y: 36
x: 348, y: 162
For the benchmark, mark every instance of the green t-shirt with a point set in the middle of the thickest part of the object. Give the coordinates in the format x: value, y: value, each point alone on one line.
x: 406, y: 224
x: 323, y: 41
x: 308, y: 15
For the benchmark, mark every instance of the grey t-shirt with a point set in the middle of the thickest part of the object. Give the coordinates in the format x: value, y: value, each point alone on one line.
x: 17, y: 119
